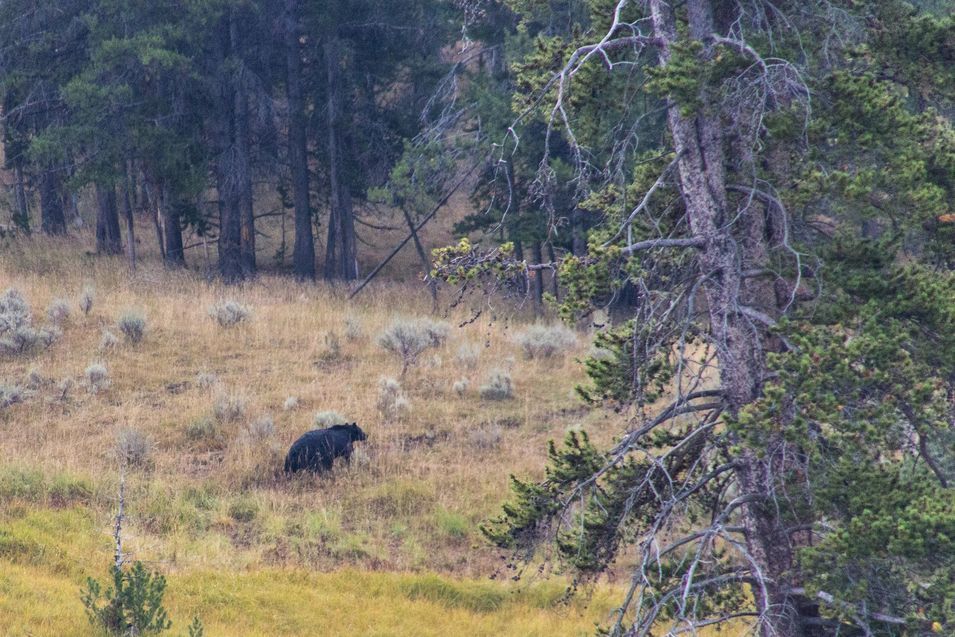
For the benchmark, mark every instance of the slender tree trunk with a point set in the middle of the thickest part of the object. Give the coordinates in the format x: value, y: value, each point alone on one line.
x: 331, y: 245
x: 153, y: 207
x: 519, y: 255
x: 130, y: 222
x: 52, y: 220
x: 21, y: 216
x: 303, y: 255
x: 554, y: 288
x: 243, y: 164
x: 578, y: 233
x: 108, y: 239
x: 228, y: 179
x: 698, y: 143
x: 425, y: 261
x: 347, y: 265
x: 537, y: 277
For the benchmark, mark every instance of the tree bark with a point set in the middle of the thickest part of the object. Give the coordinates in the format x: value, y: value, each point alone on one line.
x: 303, y: 255
x: 175, y: 255
x: 537, y: 276
x: 52, y: 220
x: 425, y: 261
x: 130, y: 224
x: 228, y: 179
x: 108, y: 239
x: 243, y: 164
x: 345, y: 266
x: 21, y: 215
x: 698, y: 143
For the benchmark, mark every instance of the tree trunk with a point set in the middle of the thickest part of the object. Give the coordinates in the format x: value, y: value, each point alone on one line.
x: 21, y: 216
x: 554, y: 287
x: 578, y: 233
x: 243, y: 164
x: 699, y: 145
x: 303, y: 256
x: 172, y: 225
x: 130, y: 225
x: 537, y: 276
x: 108, y: 239
x: 52, y: 220
x: 425, y: 261
x: 346, y: 266
x: 228, y: 177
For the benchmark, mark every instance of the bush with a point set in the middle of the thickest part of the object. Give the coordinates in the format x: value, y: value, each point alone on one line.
x: 206, y: 380
x: 58, y: 311
x: 498, y: 386
x: 460, y: 387
x: 204, y: 429
x: 26, y: 339
x: 133, y: 326
x: 290, y: 403
x: 108, y: 340
x: 546, y: 341
x: 437, y: 331
x: 326, y: 419
x: 407, y: 339
x: 97, y: 377
x: 133, y: 447
x: 14, y: 311
x: 86, y: 300
x: 131, y: 606
x: 229, y: 406
x: 10, y: 395
x: 261, y: 429
x: 486, y: 438
x: 353, y: 329
x: 392, y: 401
x: 229, y: 313
x: 468, y: 355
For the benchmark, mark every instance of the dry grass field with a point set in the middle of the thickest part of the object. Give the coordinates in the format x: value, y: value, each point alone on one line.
x: 206, y: 503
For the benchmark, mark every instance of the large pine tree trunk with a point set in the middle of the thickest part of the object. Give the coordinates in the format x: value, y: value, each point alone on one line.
x: 52, y: 220
x: 699, y: 145
x: 342, y: 216
x: 303, y: 255
x: 108, y: 239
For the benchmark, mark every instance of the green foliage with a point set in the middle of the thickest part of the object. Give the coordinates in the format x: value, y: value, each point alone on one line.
x: 132, y: 604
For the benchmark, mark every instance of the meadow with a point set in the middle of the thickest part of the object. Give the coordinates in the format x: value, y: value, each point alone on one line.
x: 388, y: 545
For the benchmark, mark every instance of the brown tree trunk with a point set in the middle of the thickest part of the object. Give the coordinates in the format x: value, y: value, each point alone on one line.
x: 341, y: 214
x: 303, y: 254
x: 698, y: 143
x: 554, y: 287
x: 243, y: 164
x: 108, y: 239
x: 425, y: 261
x: 52, y: 220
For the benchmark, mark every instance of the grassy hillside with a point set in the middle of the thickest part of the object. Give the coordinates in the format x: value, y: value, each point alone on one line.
x: 241, y: 544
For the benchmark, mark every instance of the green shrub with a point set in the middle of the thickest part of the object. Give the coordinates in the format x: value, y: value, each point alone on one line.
x: 131, y: 606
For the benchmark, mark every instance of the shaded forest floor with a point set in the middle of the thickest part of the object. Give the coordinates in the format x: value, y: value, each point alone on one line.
x: 207, y: 505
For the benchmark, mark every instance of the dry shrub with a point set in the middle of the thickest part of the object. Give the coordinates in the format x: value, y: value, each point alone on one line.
x: 97, y: 377
x: 546, y: 341
x: 499, y: 386
x: 392, y: 404
x: 229, y: 313
x: 133, y: 326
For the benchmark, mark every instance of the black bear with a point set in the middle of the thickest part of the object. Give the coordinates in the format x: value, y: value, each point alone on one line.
x: 316, y: 450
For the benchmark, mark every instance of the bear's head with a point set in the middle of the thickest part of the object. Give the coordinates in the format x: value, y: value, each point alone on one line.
x: 355, y: 432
